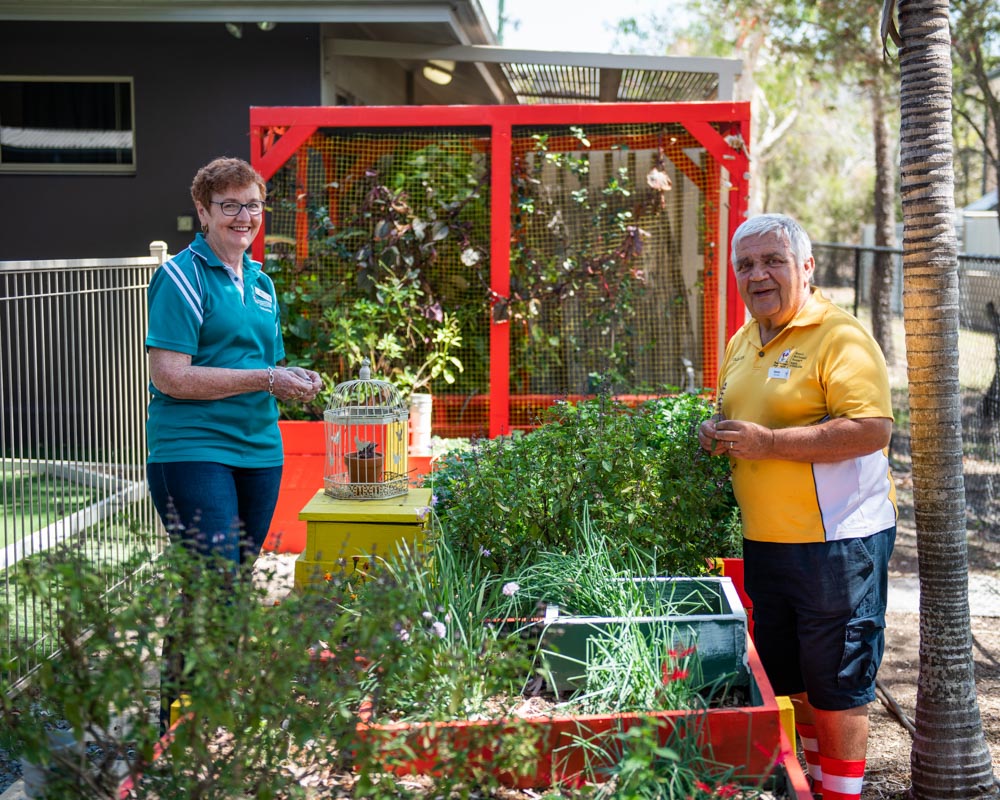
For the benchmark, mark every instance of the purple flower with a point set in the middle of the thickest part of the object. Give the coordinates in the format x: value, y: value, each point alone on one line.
x: 510, y: 589
x: 439, y: 629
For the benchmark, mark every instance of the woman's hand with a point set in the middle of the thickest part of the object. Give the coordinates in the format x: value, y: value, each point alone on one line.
x: 174, y: 375
x: 311, y: 380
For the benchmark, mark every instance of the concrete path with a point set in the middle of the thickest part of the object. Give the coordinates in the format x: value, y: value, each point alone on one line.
x: 984, y: 595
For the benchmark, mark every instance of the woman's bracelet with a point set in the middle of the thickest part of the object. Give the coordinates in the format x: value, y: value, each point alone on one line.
x: 270, y: 380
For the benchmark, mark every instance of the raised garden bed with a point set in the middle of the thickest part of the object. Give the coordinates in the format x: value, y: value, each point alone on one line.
x: 571, y: 749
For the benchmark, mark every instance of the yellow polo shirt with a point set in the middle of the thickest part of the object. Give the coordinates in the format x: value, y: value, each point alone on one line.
x: 823, y: 364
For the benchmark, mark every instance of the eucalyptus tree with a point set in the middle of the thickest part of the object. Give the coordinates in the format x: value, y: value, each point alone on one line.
x: 976, y: 47
x: 774, y: 87
x: 839, y: 38
x: 949, y: 758
x: 809, y: 43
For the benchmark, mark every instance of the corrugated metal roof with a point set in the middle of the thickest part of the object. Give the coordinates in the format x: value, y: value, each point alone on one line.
x: 552, y: 83
x: 536, y: 76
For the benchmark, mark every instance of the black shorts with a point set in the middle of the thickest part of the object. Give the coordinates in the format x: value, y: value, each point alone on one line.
x: 819, y: 615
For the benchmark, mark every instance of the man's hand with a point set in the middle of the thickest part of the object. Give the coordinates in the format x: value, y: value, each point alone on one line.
x: 826, y: 442
x: 744, y: 439
x: 708, y: 436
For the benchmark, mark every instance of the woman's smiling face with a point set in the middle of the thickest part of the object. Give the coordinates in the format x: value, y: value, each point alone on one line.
x: 771, y: 283
x: 227, y: 235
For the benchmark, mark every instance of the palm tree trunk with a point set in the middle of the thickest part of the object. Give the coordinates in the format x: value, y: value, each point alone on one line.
x: 950, y: 758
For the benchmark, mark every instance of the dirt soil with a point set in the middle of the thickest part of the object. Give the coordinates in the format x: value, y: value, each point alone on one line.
x: 889, y: 743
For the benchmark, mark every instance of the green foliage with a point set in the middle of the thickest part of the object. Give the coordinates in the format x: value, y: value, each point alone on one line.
x: 661, y: 760
x: 275, y: 689
x: 377, y: 277
x: 584, y: 577
x: 93, y: 687
x: 248, y: 671
x: 418, y: 625
x: 648, y: 486
x: 975, y: 58
x: 574, y: 243
x: 419, y: 636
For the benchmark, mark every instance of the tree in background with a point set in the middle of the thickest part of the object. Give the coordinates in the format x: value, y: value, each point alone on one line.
x: 950, y: 758
x: 975, y: 42
x: 795, y: 52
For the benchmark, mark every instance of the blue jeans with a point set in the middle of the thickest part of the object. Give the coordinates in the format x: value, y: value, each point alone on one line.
x: 214, y: 508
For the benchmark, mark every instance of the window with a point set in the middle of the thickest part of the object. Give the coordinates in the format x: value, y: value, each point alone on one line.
x: 66, y: 124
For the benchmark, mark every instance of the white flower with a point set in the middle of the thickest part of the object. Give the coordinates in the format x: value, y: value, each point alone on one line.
x: 510, y: 589
x: 426, y: 615
x: 439, y: 629
x: 404, y: 635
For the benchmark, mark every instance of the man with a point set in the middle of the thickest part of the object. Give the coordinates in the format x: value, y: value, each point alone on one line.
x: 805, y: 418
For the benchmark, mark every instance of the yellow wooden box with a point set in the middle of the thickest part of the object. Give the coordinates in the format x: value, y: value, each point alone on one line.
x: 357, y: 531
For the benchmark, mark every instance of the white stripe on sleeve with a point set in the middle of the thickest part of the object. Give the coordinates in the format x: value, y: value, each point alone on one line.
x: 180, y: 280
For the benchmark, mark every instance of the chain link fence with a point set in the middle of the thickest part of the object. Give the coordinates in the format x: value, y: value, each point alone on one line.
x: 844, y: 273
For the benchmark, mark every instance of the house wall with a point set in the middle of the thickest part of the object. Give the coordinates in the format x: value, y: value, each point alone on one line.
x: 981, y: 234
x: 194, y: 85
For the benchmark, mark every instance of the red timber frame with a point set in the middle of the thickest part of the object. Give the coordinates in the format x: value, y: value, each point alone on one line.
x: 277, y: 133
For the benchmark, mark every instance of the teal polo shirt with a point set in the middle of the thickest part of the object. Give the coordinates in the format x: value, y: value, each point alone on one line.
x: 195, y: 307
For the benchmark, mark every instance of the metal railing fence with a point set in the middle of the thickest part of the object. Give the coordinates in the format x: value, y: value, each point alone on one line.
x: 844, y: 272
x: 73, y: 393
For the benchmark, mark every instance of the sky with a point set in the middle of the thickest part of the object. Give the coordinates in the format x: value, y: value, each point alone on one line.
x: 573, y: 25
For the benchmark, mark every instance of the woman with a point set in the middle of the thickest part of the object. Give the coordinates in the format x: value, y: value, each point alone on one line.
x: 214, y: 341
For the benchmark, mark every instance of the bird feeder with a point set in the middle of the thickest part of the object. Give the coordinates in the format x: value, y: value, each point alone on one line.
x: 365, y: 425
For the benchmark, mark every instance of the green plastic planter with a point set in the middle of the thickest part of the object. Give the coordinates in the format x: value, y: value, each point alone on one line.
x: 704, y: 612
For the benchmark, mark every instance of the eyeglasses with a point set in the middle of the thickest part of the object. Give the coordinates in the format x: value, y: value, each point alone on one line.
x: 232, y: 209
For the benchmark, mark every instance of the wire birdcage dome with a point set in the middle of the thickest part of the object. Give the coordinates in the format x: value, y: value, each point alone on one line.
x: 365, y: 424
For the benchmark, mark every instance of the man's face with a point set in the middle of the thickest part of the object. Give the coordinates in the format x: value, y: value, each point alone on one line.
x: 771, y: 284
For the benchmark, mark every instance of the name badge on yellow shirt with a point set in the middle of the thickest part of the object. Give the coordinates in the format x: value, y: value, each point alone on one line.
x: 781, y: 373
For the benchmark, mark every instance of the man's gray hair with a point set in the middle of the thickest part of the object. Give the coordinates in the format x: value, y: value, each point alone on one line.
x: 798, y: 239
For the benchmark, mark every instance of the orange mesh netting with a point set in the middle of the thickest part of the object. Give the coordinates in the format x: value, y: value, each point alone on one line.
x: 614, y: 262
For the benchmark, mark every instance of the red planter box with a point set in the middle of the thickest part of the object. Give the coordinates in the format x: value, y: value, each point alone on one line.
x: 749, y: 738
x: 733, y: 568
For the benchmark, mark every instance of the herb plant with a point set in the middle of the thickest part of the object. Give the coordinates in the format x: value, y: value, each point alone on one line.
x: 375, y: 283
x: 649, y: 487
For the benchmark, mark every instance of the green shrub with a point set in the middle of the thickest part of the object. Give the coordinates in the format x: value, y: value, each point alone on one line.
x: 648, y: 486
x: 250, y: 672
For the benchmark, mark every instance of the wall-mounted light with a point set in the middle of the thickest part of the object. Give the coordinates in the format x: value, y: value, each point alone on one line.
x: 267, y: 26
x: 235, y: 29
x: 439, y: 71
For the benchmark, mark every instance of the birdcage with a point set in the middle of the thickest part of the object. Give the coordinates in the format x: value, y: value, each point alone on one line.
x: 366, y: 438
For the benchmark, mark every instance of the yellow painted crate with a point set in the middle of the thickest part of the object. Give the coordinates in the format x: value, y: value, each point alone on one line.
x: 357, y: 531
